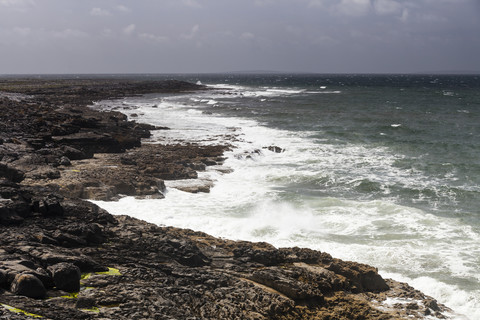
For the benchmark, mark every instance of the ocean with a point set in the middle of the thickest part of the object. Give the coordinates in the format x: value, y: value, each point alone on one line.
x: 378, y: 169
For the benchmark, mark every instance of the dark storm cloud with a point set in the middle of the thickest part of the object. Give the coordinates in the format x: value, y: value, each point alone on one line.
x: 69, y: 36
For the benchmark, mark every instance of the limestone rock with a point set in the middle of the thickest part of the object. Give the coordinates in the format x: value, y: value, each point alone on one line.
x: 28, y: 285
x: 66, y: 276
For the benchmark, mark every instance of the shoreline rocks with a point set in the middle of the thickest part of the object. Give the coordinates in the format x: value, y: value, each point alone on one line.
x: 65, y: 258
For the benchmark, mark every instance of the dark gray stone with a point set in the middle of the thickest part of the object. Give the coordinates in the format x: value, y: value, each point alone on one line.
x: 28, y: 285
x: 66, y: 276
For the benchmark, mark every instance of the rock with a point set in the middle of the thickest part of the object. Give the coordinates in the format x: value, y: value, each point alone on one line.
x: 66, y: 276
x: 84, y: 263
x: 11, y: 174
x: 64, y: 161
x: 362, y: 277
x: 28, y: 285
x: 287, y: 283
x: 45, y: 277
x: 90, y: 142
x: 197, y: 166
x: 3, y: 278
x: 8, y: 216
x: 85, y: 303
x: 209, y: 162
x: 15, y: 267
x: 49, y: 206
x: 73, y: 153
x: 275, y: 149
x: 91, y: 233
x: 43, y: 172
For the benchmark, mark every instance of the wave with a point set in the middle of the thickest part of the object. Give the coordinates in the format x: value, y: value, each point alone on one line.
x: 357, y: 201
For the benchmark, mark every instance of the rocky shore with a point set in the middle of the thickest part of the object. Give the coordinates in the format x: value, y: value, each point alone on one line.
x: 62, y: 257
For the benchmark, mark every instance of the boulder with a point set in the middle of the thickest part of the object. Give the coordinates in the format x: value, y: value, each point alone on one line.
x: 28, y: 285
x: 66, y: 276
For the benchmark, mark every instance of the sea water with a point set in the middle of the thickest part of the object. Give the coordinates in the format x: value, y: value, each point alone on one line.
x: 378, y: 169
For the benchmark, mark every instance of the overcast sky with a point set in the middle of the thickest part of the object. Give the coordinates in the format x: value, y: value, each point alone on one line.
x: 190, y: 36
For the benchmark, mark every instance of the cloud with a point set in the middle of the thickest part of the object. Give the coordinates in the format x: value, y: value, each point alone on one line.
x: 16, y: 3
x: 24, y: 32
x: 353, y: 7
x: 192, y: 3
x: 262, y: 3
x: 153, y: 38
x: 324, y: 40
x: 192, y: 33
x: 107, y: 33
x: 405, y: 15
x: 69, y: 34
x: 343, y: 7
x: 128, y: 30
x: 385, y: 7
x: 247, y: 36
x: 99, y: 12
x: 315, y: 3
x: 123, y: 8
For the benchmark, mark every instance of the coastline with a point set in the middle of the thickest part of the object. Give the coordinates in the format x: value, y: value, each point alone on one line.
x: 159, y: 269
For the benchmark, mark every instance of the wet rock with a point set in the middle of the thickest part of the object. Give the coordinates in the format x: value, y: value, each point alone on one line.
x: 66, y: 276
x: 28, y: 285
x: 432, y: 304
x: 287, y: 283
x: 362, y: 277
x: 275, y: 149
x: 209, y: 162
x: 198, y: 166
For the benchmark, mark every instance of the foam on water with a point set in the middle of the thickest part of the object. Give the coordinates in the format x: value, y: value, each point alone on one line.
x: 296, y: 198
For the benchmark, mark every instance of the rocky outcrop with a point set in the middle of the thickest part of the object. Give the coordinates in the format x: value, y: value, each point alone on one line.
x: 65, y: 258
x: 135, y: 270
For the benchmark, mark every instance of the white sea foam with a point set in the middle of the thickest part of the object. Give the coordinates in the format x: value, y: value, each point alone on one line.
x: 253, y: 202
x: 245, y: 91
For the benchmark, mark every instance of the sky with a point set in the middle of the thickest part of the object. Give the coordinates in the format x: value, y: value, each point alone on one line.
x: 210, y: 36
